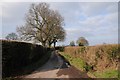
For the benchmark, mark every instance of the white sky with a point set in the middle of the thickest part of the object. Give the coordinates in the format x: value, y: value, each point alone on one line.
x: 96, y: 21
x: 59, y: 0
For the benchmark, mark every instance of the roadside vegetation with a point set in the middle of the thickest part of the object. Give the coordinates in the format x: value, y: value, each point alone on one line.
x: 99, y: 61
x: 44, y: 25
x: 19, y: 58
x: 77, y: 62
x: 106, y: 74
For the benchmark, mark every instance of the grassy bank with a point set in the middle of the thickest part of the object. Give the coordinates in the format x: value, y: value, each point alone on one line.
x: 81, y: 65
x: 107, y: 74
x: 77, y: 62
x: 98, y: 61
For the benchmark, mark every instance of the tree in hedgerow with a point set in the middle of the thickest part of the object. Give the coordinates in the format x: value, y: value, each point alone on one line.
x: 42, y: 25
x: 72, y: 43
x: 82, y: 41
x: 12, y: 36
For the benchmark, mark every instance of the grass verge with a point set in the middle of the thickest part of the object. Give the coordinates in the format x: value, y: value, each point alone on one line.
x: 106, y: 74
x: 81, y: 64
x: 77, y: 62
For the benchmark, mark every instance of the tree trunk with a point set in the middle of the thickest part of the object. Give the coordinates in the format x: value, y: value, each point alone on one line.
x: 50, y: 43
x: 43, y: 44
x: 54, y: 44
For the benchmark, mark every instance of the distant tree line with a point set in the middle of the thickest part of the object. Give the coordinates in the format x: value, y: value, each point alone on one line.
x: 80, y: 42
x: 12, y: 36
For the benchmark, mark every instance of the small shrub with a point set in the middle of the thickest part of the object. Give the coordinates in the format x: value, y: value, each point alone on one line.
x: 113, y: 52
x: 60, y: 48
x: 88, y: 67
x: 97, y: 55
x: 82, y: 49
x: 72, y: 43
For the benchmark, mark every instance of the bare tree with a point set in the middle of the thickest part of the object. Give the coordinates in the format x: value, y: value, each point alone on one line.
x: 12, y: 36
x: 82, y: 42
x: 43, y: 25
x: 72, y: 43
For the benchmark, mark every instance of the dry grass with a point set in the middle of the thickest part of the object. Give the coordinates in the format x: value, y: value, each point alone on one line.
x: 100, y: 55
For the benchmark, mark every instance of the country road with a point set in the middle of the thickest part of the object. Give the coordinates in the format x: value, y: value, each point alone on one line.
x: 56, y: 67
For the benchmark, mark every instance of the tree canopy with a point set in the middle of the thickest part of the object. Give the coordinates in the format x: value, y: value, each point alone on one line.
x: 82, y: 41
x: 72, y: 43
x: 12, y: 36
x: 42, y: 24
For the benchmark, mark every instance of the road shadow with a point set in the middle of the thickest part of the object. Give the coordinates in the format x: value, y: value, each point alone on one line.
x: 35, y: 68
x: 72, y: 72
x: 68, y: 70
x: 64, y: 69
x: 52, y: 64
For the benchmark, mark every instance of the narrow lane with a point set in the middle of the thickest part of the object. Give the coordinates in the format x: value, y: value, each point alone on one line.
x: 57, y: 67
x: 48, y: 70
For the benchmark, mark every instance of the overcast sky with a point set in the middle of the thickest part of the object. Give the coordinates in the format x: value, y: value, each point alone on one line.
x: 96, y: 21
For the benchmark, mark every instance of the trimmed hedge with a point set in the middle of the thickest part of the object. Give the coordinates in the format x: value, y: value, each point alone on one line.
x: 60, y: 48
x: 16, y: 55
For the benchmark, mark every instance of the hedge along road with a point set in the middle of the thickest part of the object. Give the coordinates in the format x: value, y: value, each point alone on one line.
x: 56, y: 67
